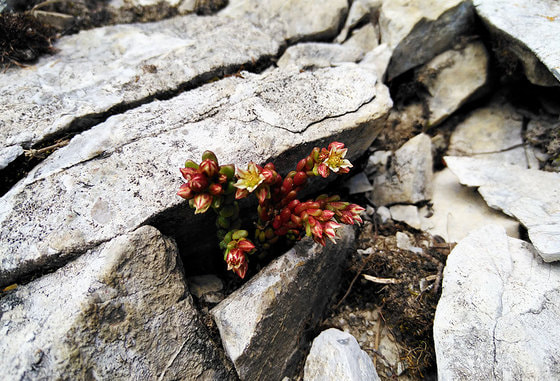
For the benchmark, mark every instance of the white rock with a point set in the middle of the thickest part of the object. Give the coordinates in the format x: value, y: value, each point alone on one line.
x: 407, y: 214
x: 365, y: 39
x: 383, y: 213
x: 378, y: 60
x: 409, y: 180
x: 359, y: 11
x: 404, y: 243
x: 452, y: 78
x: 336, y: 355
x: 458, y: 210
x: 417, y: 31
x: 530, y: 30
x: 313, y: 55
x: 9, y: 154
x: 498, y: 314
x: 529, y: 195
x: 358, y: 184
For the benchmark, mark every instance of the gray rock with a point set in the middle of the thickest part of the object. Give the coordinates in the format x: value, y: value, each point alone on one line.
x: 120, y: 66
x: 498, y: 315
x: 407, y: 214
x: 120, y: 311
x: 262, y: 323
x: 377, y: 60
x: 358, y: 13
x: 336, y: 355
x: 365, y: 39
x: 452, y: 78
x: 530, y: 196
x: 417, y: 31
x: 9, y: 154
x: 529, y: 30
x: 358, y: 183
x: 409, y: 179
x: 206, y: 287
x: 313, y: 55
x: 309, y: 19
x: 124, y: 172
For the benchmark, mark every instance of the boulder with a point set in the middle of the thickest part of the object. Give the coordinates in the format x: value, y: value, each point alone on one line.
x: 530, y: 31
x: 417, y: 31
x: 336, y: 355
x: 529, y: 195
x: 124, y: 173
x: 498, y: 315
x: 262, y: 324
x: 452, y: 78
x: 103, y: 70
x: 120, y: 311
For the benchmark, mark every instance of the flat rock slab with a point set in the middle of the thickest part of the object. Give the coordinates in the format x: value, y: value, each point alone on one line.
x: 530, y: 29
x: 116, y: 176
x: 120, y: 311
x: 498, y: 314
x: 262, y: 324
x: 101, y: 69
x: 529, y: 195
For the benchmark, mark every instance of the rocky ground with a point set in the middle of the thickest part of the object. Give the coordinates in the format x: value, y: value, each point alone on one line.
x: 451, y: 113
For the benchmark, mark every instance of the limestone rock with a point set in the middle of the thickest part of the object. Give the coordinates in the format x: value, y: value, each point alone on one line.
x: 120, y: 311
x: 120, y: 66
x: 409, y: 180
x: 497, y: 317
x: 207, y: 287
x: 417, y: 31
x: 124, y: 172
x: 377, y: 60
x: 530, y: 196
x: 261, y: 324
x: 360, y: 10
x: 452, y: 78
x: 407, y: 214
x: 336, y: 355
x: 529, y: 30
x: 459, y: 210
x: 365, y: 39
x: 313, y: 55
x: 309, y: 19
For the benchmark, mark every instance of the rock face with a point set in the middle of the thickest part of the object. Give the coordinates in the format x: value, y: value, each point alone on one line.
x: 336, y: 355
x: 529, y: 30
x: 498, y: 316
x: 529, y: 195
x: 262, y: 323
x: 419, y: 30
x: 120, y: 311
x: 123, y: 65
x: 312, y: 55
x: 116, y: 176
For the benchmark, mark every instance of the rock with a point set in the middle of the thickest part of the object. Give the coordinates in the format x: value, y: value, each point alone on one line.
x: 313, y: 55
x: 358, y: 184
x: 122, y: 66
x: 530, y: 196
x: 310, y: 20
x: 336, y: 355
x: 407, y: 214
x: 9, y: 154
x: 409, y: 179
x: 529, y: 30
x: 120, y: 311
x: 492, y: 132
x: 497, y: 317
x: 124, y: 172
x: 383, y: 213
x: 377, y: 60
x: 452, y: 78
x: 206, y: 287
x: 418, y: 31
x: 404, y: 243
x: 458, y: 210
x: 262, y: 323
x: 358, y: 13
x: 365, y: 39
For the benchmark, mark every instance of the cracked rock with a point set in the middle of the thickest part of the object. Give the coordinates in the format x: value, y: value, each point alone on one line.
x: 120, y: 311
x: 498, y: 315
x: 313, y: 55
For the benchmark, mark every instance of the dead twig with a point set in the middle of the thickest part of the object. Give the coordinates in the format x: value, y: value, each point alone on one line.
x: 375, y: 279
x: 33, y: 153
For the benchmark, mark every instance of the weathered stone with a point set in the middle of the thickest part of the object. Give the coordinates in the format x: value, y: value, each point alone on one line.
x: 457, y: 210
x: 409, y: 179
x: 452, y: 78
x: 493, y: 133
x: 377, y: 60
x: 417, y: 31
x: 313, y: 55
x: 530, y: 196
x: 119, y: 66
x: 498, y: 314
x: 206, y: 287
x: 358, y: 183
x: 120, y: 311
x: 309, y: 19
x: 358, y: 13
x: 529, y: 30
x: 262, y: 323
x: 124, y: 172
x: 365, y: 39
x: 407, y: 214
x: 336, y: 355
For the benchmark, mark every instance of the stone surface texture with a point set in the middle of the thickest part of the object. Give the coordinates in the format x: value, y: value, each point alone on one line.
x: 530, y: 30
x: 452, y: 78
x: 336, y: 355
x: 498, y: 314
x: 261, y: 324
x: 120, y: 311
x: 313, y: 55
x: 116, y: 176
x: 417, y: 31
x: 530, y: 196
